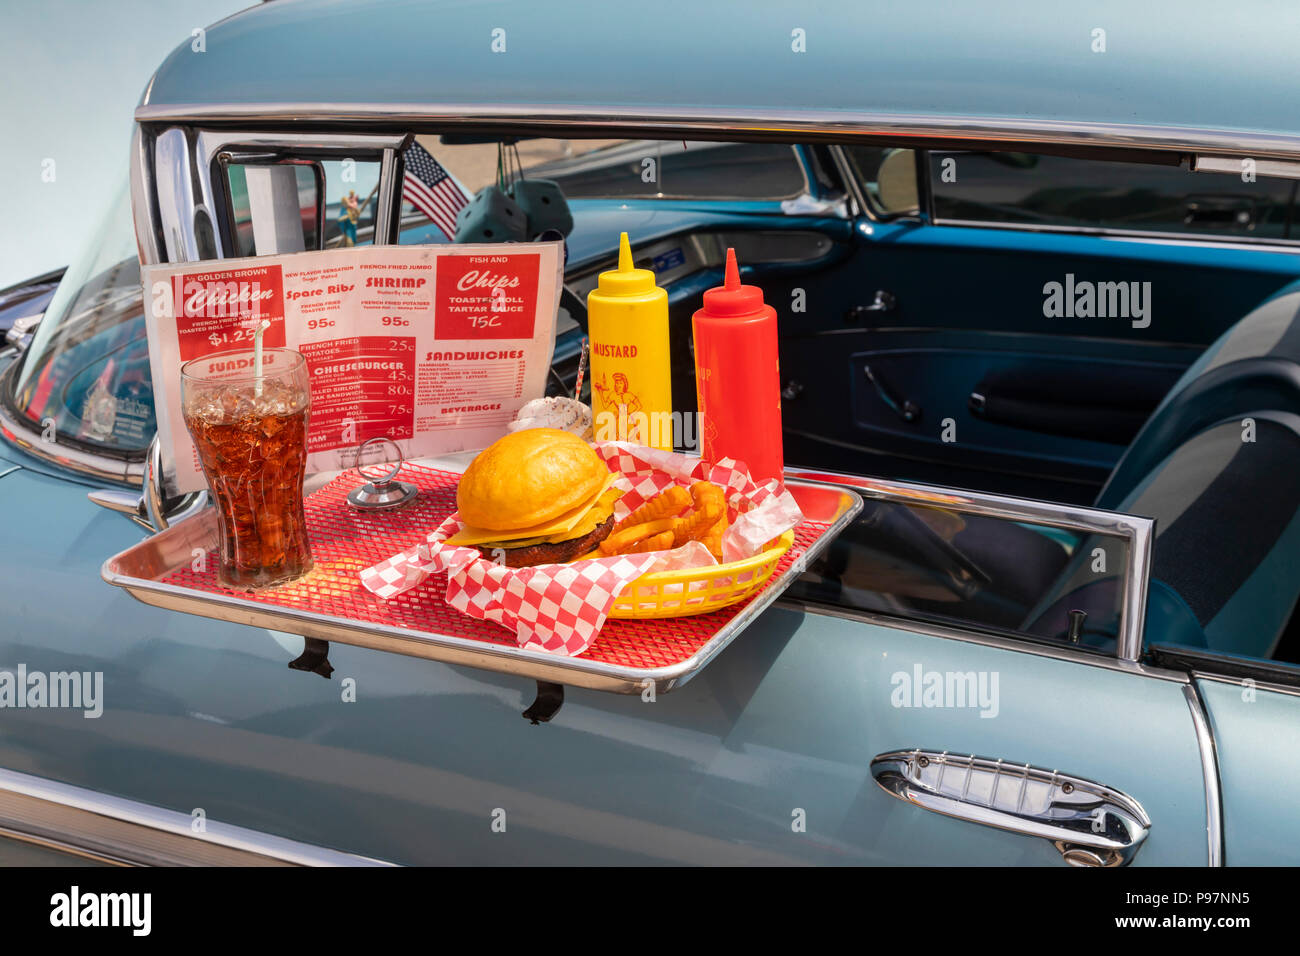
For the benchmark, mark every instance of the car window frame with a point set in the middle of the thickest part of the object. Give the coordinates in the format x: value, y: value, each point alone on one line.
x: 1138, y: 533
x: 925, y: 182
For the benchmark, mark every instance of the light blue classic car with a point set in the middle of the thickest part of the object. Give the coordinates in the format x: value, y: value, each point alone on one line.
x: 1039, y: 301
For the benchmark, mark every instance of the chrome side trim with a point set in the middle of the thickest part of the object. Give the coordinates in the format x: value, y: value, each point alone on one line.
x: 1287, y: 246
x: 1210, y: 770
x: 756, y: 121
x: 1021, y: 646
x: 1139, y: 532
x: 125, y: 831
x: 1232, y: 165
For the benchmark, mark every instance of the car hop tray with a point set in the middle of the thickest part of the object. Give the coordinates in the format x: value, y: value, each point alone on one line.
x: 330, y: 604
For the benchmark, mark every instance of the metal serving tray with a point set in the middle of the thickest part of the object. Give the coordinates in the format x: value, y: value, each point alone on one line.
x: 636, y: 654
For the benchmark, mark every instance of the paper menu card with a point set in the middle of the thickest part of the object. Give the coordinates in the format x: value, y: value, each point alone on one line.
x: 434, y: 346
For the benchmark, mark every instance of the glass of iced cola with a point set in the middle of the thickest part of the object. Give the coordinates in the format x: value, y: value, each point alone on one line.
x: 251, y: 436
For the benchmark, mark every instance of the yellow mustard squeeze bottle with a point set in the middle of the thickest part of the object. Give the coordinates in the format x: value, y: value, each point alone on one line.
x: 631, y: 378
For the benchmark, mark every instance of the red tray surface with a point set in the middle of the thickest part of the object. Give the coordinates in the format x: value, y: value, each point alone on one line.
x: 345, y: 540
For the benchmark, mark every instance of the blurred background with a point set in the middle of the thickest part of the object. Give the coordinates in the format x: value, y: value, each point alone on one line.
x: 74, y: 72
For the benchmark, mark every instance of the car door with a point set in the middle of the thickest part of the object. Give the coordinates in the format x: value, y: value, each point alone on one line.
x: 976, y: 336
x: 766, y: 757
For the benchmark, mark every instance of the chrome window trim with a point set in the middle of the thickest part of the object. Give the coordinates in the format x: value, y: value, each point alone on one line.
x: 1288, y: 246
x: 211, y: 144
x: 114, y: 829
x: 1205, y: 744
x: 845, y: 169
x: 143, y: 202
x: 757, y: 121
x: 1140, y: 533
x: 1062, y: 652
x: 173, y: 193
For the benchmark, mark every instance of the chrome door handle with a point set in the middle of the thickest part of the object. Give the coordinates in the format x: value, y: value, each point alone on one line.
x: 1090, y: 824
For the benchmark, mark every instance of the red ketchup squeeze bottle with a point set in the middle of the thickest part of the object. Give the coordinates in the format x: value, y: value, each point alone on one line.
x: 737, y: 380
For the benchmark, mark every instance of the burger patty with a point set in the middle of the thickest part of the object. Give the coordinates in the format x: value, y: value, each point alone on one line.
x: 550, y: 553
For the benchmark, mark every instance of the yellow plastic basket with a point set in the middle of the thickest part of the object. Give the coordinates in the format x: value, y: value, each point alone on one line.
x: 699, y: 590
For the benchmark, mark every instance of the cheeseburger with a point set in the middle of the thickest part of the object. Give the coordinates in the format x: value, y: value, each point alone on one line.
x: 537, y: 496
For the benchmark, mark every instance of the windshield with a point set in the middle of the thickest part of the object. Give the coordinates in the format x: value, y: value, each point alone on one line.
x: 86, y: 373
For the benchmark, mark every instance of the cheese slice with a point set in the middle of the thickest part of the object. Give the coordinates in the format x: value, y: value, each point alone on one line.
x: 562, y: 525
x: 596, y: 514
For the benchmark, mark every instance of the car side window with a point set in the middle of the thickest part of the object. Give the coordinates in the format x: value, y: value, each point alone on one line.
x: 653, y: 169
x: 887, y: 177
x: 935, y: 562
x: 1056, y: 191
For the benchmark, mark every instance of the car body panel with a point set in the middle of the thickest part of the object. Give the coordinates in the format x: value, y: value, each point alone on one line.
x: 1257, y: 735
x: 205, y: 714
x: 1044, y: 71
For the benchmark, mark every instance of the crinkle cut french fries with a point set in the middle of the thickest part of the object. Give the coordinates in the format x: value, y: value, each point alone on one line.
x: 672, y: 518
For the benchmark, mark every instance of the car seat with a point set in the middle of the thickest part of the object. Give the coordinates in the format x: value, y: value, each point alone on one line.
x: 1218, y: 466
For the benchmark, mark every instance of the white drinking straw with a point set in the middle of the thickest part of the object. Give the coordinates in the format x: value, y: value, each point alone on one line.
x: 257, y: 356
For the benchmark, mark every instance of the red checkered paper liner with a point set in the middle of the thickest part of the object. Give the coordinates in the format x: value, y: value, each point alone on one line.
x: 648, y: 471
x: 559, y: 608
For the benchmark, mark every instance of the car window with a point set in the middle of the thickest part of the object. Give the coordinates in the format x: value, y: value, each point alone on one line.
x: 940, y: 565
x: 1036, y: 190
x: 635, y: 169
x: 85, y: 377
x: 650, y: 169
x: 887, y: 177
x: 351, y: 197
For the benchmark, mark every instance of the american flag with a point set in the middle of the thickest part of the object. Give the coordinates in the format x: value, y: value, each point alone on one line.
x: 430, y: 188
